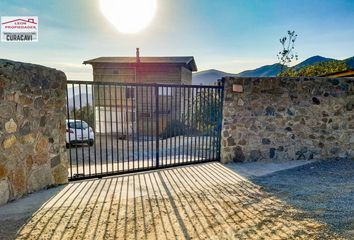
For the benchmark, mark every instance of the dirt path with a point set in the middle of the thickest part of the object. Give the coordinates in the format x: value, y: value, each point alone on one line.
x: 196, y: 202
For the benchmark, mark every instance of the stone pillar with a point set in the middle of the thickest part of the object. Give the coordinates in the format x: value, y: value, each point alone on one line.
x: 32, y: 129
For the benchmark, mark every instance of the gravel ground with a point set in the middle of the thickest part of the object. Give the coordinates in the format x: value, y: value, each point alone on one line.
x: 204, y: 201
x: 323, y: 189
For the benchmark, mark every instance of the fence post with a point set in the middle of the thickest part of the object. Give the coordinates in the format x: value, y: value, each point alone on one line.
x: 157, y: 138
x: 221, y: 84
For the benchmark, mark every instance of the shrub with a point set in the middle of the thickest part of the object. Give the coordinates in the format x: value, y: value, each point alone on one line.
x: 177, y: 128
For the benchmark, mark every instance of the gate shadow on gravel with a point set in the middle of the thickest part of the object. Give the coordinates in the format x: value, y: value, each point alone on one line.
x: 205, y: 201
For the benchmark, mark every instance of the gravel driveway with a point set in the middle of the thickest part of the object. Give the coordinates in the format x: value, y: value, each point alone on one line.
x: 204, y: 201
x: 323, y: 189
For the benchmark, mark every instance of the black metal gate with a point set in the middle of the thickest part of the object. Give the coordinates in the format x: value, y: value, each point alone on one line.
x: 114, y: 128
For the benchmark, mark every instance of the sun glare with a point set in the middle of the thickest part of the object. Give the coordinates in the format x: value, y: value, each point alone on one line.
x: 129, y: 16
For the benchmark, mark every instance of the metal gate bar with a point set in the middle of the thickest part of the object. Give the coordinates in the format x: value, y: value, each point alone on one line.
x: 115, y: 128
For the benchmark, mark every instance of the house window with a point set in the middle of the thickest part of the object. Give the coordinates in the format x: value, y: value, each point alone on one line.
x: 130, y: 92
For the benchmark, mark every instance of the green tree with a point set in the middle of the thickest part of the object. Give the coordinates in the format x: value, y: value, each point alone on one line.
x: 317, y: 69
x: 287, y: 53
x: 85, y: 113
x: 206, y: 106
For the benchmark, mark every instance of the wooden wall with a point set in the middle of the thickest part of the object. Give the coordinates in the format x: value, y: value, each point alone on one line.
x: 144, y: 101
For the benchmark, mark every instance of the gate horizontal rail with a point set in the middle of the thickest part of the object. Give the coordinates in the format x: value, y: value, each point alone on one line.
x: 114, y: 128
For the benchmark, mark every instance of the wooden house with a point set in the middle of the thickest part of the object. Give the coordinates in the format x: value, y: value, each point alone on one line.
x: 129, y: 108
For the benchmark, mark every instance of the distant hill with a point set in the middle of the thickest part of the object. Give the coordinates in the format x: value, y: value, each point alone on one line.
x: 311, y: 61
x: 211, y: 76
x: 208, y: 77
x: 265, y: 71
x: 86, y: 98
x: 349, y: 62
x: 318, y: 66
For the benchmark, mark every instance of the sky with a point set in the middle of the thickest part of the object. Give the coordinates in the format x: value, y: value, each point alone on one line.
x: 228, y: 35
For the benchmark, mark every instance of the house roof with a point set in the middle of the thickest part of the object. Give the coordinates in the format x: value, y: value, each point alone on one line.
x: 189, y: 62
x: 345, y: 73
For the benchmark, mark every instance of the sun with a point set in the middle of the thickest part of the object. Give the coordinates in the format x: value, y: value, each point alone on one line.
x: 129, y: 16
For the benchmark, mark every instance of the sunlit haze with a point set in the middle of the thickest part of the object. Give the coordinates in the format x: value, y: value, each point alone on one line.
x: 128, y: 16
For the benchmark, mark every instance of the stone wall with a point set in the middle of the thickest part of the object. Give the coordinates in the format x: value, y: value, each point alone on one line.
x: 32, y: 129
x: 279, y: 119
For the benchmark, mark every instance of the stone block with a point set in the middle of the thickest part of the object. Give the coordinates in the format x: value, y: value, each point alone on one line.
x: 6, y: 110
x: 3, y: 171
x: 18, y: 181
x: 231, y: 141
x: 23, y: 99
x: 60, y: 174
x: 291, y: 111
x: 42, y: 145
x: 40, y: 178
x: 11, y: 126
x: 270, y: 111
x: 238, y: 156
x: 255, y: 155
x: 28, y: 139
x: 38, y: 102
x: 271, y: 152
x: 9, y: 142
x: 40, y: 159
x: 25, y: 127
x: 266, y: 141
x: 54, y: 161
x: 4, y: 192
x: 29, y: 162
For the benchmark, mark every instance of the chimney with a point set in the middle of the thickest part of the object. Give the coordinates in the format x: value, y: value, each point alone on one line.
x: 137, y: 55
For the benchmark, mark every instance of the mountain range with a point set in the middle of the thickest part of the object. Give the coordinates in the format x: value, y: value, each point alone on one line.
x: 212, y: 75
x: 74, y: 97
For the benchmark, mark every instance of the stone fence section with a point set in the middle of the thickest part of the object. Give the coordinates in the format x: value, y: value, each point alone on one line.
x: 279, y: 119
x: 32, y: 129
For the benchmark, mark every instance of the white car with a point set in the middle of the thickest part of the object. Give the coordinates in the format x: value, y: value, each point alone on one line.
x: 78, y: 131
